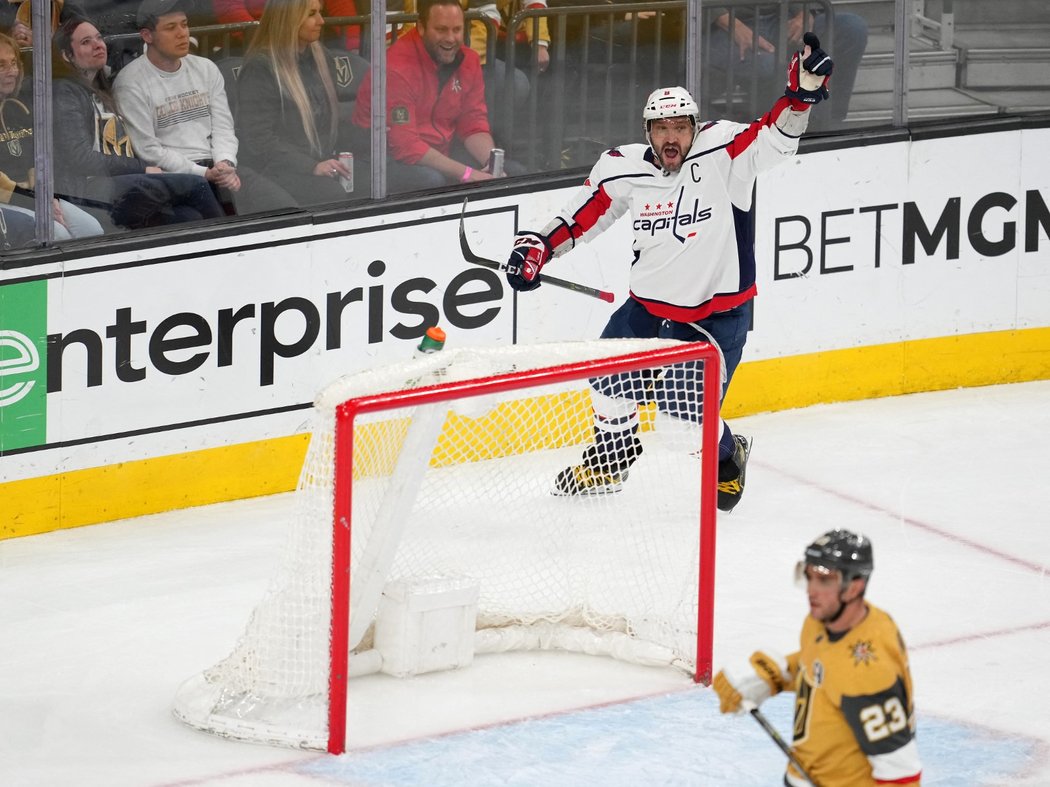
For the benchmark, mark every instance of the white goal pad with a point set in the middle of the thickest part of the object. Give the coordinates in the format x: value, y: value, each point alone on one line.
x: 426, y: 500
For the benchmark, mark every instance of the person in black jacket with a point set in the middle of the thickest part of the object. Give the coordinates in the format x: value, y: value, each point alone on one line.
x: 94, y: 159
x: 17, y: 170
x: 287, y: 112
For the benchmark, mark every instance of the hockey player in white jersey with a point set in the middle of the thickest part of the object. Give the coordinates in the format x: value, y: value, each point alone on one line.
x: 689, y: 194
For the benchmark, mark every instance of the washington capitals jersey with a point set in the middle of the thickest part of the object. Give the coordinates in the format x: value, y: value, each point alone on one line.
x: 693, y: 229
x: 854, y: 713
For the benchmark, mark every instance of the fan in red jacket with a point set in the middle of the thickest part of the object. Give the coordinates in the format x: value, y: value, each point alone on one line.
x: 436, y: 112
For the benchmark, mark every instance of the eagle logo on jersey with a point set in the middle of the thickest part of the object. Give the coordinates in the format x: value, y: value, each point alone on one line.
x: 863, y: 652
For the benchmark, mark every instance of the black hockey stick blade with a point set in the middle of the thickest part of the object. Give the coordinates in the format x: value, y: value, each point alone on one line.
x: 779, y: 741
x: 474, y: 259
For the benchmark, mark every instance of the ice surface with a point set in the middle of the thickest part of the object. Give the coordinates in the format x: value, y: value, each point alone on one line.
x: 99, y: 626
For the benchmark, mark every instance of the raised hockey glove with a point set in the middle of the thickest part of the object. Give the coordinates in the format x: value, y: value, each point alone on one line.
x: 808, y: 74
x: 765, y: 675
x: 530, y: 253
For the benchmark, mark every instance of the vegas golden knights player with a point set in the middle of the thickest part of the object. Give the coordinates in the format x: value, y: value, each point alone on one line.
x: 854, y: 714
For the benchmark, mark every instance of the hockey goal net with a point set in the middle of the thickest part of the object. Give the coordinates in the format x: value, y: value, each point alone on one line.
x: 441, y: 470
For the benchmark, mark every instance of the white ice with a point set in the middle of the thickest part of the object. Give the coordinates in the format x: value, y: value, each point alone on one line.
x: 99, y: 626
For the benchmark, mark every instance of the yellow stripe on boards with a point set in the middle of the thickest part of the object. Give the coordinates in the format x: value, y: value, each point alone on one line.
x: 149, y: 486
x: 872, y: 372
x: 83, y: 497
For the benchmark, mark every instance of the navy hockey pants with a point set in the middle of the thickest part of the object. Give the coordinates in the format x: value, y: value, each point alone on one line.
x: 676, y: 392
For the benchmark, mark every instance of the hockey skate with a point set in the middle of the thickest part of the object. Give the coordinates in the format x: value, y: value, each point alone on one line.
x: 731, y: 474
x: 604, y: 467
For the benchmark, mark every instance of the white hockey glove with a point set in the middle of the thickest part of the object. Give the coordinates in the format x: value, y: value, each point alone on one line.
x: 808, y: 74
x: 765, y: 675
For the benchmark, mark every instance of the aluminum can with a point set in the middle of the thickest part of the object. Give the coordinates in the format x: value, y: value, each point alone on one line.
x: 496, y: 162
x: 347, y: 160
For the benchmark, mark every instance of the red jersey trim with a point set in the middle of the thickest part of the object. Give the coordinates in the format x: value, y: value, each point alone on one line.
x: 743, y: 140
x: 906, y: 780
x: 720, y: 303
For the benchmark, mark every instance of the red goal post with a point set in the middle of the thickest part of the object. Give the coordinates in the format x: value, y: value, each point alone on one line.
x: 442, y: 467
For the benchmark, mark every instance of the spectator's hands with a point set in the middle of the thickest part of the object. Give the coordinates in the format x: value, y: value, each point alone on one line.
x: 808, y: 74
x: 797, y: 25
x: 543, y: 57
x: 331, y: 168
x: 478, y: 174
x: 22, y: 35
x: 744, y: 37
x: 56, y: 213
x: 224, y: 175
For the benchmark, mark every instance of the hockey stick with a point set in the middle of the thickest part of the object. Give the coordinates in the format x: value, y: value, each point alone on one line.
x: 473, y: 258
x: 779, y: 741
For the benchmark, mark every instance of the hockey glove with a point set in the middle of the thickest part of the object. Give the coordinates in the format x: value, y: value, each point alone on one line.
x: 808, y: 75
x: 766, y: 674
x: 530, y: 253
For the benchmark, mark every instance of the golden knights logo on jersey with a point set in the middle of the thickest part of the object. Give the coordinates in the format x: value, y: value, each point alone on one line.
x: 344, y: 72
x: 863, y: 652
x: 16, y: 126
x: 111, y: 138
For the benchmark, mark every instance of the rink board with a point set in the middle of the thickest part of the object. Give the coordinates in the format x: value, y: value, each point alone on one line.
x: 181, y: 375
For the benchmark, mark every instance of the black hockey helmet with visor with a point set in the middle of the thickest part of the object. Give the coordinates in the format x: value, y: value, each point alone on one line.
x: 848, y: 553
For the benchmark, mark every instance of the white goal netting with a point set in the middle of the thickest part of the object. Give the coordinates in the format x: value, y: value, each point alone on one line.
x: 461, y: 491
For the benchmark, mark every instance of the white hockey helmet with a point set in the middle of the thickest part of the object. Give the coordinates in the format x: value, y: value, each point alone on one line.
x: 670, y: 102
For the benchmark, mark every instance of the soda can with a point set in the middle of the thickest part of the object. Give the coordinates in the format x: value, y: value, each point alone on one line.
x: 496, y: 162
x: 347, y: 160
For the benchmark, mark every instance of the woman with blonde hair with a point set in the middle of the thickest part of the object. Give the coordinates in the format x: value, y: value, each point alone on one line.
x: 287, y: 112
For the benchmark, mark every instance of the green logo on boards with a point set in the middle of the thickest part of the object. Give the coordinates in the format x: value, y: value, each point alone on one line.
x: 23, y: 367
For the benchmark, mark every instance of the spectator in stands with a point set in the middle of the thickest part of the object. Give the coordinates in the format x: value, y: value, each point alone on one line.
x: 112, y: 17
x: 24, y: 18
x: 177, y: 113
x: 500, y: 13
x: 10, y: 26
x: 17, y: 172
x: 17, y: 230
x: 287, y: 112
x: 234, y: 11
x: 94, y: 156
x: 436, y: 112
x: 752, y: 44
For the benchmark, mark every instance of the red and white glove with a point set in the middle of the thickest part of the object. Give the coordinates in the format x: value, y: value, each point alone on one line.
x: 766, y: 674
x: 808, y: 74
x: 530, y: 253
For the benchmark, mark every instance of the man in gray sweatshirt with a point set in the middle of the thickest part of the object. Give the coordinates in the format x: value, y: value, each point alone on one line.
x: 178, y: 115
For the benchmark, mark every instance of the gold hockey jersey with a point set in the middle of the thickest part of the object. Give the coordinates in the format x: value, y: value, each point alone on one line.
x: 854, y: 714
